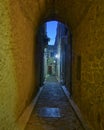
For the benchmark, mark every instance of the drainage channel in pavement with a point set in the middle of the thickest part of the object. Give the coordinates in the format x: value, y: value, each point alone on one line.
x: 49, y: 112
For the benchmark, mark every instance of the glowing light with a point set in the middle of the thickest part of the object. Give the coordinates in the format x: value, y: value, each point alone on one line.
x: 57, y: 56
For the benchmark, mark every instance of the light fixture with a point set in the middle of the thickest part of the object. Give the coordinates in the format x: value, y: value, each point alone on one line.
x: 57, y: 56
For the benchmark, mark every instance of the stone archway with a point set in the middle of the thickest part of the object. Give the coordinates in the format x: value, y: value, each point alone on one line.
x: 64, y: 70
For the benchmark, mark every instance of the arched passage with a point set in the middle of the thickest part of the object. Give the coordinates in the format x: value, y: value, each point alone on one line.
x: 61, y: 66
x: 18, y: 22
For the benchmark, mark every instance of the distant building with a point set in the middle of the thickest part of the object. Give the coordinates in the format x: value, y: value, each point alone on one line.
x: 60, y: 45
x: 47, y: 63
x: 51, y: 61
x: 43, y: 42
x: 55, y: 59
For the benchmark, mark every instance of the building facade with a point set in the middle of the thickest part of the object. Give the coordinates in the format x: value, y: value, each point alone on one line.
x: 63, y: 54
x: 42, y: 45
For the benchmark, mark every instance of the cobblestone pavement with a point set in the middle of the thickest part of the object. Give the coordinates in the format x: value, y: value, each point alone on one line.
x: 53, y: 96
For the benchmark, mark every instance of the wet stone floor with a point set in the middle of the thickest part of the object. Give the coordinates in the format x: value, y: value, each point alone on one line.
x: 53, y: 110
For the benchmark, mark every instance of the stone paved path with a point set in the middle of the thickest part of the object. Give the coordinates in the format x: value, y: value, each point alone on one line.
x: 53, y: 96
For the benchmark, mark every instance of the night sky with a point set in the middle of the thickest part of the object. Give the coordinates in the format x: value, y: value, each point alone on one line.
x: 51, y: 31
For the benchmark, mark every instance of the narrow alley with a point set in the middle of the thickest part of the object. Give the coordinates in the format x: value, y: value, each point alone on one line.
x: 53, y: 110
x: 30, y: 52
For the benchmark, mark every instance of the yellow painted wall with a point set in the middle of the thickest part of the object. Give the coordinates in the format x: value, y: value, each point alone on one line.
x: 8, y: 85
x: 88, y: 42
x: 22, y: 43
x: 18, y: 75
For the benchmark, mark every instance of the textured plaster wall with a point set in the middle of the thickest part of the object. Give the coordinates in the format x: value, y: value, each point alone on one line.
x: 88, y: 42
x: 22, y: 43
x: 18, y: 76
x: 8, y: 85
